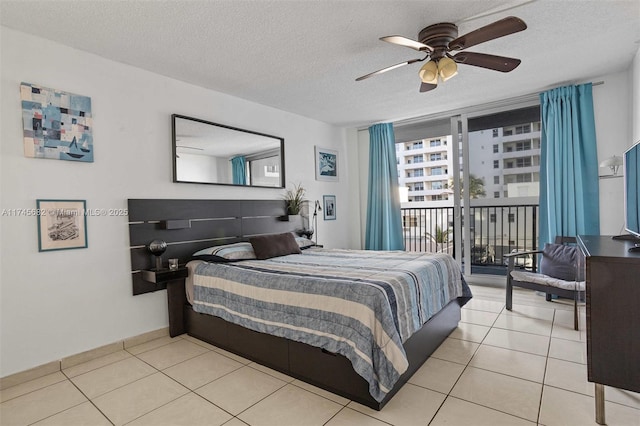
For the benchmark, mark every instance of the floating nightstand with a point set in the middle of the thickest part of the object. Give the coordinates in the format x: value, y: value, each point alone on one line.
x: 164, y: 275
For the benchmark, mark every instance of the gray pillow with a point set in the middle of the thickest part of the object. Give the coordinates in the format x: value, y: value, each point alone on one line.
x: 559, y: 261
x: 273, y: 245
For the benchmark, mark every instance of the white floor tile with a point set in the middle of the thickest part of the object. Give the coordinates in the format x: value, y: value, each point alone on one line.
x: 518, y: 341
x: 526, y: 311
x: 471, y: 332
x: 189, y: 409
x: 240, y: 389
x: 524, y: 324
x: 196, y: 372
x: 437, y: 374
x: 564, y: 408
x: 569, y: 376
x: 455, y: 411
x: 40, y: 404
x: 80, y: 415
x: 30, y: 386
x: 512, y: 363
x: 291, y: 405
x: 172, y: 354
x: 349, y: 417
x: 323, y: 393
x: 508, y: 394
x: 484, y: 305
x: 568, y: 350
x: 412, y: 405
x: 104, y: 379
x: 456, y: 350
x: 478, y: 317
x: 138, y: 398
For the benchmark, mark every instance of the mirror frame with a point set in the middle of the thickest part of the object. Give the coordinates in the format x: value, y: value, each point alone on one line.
x: 224, y: 126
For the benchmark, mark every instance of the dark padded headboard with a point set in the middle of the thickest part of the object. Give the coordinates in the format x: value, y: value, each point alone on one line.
x: 191, y: 225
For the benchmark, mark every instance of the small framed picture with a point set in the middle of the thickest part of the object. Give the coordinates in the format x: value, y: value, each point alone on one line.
x: 329, y: 203
x: 326, y: 164
x: 62, y: 224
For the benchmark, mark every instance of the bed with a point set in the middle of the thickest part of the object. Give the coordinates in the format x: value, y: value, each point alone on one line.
x: 267, y: 310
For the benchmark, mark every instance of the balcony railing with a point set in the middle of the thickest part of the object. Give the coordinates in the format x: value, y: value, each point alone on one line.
x: 495, y: 230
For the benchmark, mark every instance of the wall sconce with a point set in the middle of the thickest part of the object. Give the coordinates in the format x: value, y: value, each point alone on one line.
x: 157, y: 247
x: 614, y: 163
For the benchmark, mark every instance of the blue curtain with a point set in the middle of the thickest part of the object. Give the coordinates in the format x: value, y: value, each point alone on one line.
x: 569, y: 195
x: 239, y: 170
x: 384, y: 224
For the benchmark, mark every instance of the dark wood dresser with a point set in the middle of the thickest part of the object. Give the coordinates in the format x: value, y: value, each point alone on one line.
x: 612, y: 274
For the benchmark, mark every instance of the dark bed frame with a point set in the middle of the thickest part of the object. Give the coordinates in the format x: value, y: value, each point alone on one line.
x: 190, y: 225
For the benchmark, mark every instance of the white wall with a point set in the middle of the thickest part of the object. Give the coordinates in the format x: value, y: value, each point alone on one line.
x: 635, y: 96
x: 612, y: 110
x: 57, y: 304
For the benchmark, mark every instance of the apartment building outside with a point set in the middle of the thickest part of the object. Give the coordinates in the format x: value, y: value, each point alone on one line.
x: 506, y: 159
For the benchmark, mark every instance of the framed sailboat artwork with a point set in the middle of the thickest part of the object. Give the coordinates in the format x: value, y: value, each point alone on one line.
x: 56, y: 125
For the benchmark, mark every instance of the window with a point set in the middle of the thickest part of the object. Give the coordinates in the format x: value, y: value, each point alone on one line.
x: 496, y: 180
x: 436, y: 157
x: 496, y: 148
x: 409, y: 221
x: 526, y: 128
x: 437, y: 198
x: 436, y: 185
x: 437, y: 171
x: 495, y: 133
x: 434, y: 143
x: 417, y: 145
x: 417, y: 158
x: 523, y: 145
x: 523, y: 162
x: 496, y: 194
x: 506, y: 132
x: 418, y: 187
x: 492, y: 218
x: 496, y: 164
x: 419, y: 198
x: 511, y: 217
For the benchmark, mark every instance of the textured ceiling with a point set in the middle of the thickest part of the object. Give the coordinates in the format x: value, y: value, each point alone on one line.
x: 303, y: 56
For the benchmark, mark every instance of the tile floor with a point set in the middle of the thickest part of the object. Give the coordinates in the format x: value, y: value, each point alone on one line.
x: 523, y: 367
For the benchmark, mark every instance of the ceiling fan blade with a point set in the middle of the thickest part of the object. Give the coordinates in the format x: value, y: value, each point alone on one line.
x: 498, y: 29
x: 425, y: 87
x: 492, y: 62
x: 407, y: 42
x: 392, y: 67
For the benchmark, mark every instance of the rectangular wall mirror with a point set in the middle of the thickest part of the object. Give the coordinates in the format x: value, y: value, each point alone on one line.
x: 206, y: 152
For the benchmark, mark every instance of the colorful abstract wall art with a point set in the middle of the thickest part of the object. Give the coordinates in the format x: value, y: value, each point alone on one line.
x: 56, y: 125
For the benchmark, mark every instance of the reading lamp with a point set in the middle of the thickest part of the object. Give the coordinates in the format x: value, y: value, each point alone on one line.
x: 613, y: 163
x: 316, y: 209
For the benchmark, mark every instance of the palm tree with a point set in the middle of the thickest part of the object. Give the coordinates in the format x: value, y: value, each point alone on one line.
x: 440, y: 236
x: 476, y: 186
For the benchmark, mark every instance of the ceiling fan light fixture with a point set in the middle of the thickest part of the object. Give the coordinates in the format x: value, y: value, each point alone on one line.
x: 429, y: 73
x: 447, y: 68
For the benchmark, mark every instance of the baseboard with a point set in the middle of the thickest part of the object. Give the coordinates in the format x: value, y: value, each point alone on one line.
x: 72, y: 360
x: 30, y: 374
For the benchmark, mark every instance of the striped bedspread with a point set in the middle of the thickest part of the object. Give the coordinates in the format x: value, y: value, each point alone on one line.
x: 360, y: 304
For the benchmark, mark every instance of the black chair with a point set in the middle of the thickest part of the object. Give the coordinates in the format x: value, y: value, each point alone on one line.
x: 561, y: 273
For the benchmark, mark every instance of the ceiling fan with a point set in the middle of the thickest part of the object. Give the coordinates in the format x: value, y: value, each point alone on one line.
x: 437, y: 41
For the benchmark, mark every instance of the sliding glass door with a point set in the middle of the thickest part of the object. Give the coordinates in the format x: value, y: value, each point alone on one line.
x: 495, y: 154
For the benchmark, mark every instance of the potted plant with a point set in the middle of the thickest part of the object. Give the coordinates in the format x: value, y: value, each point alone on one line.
x: 294, y: 199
